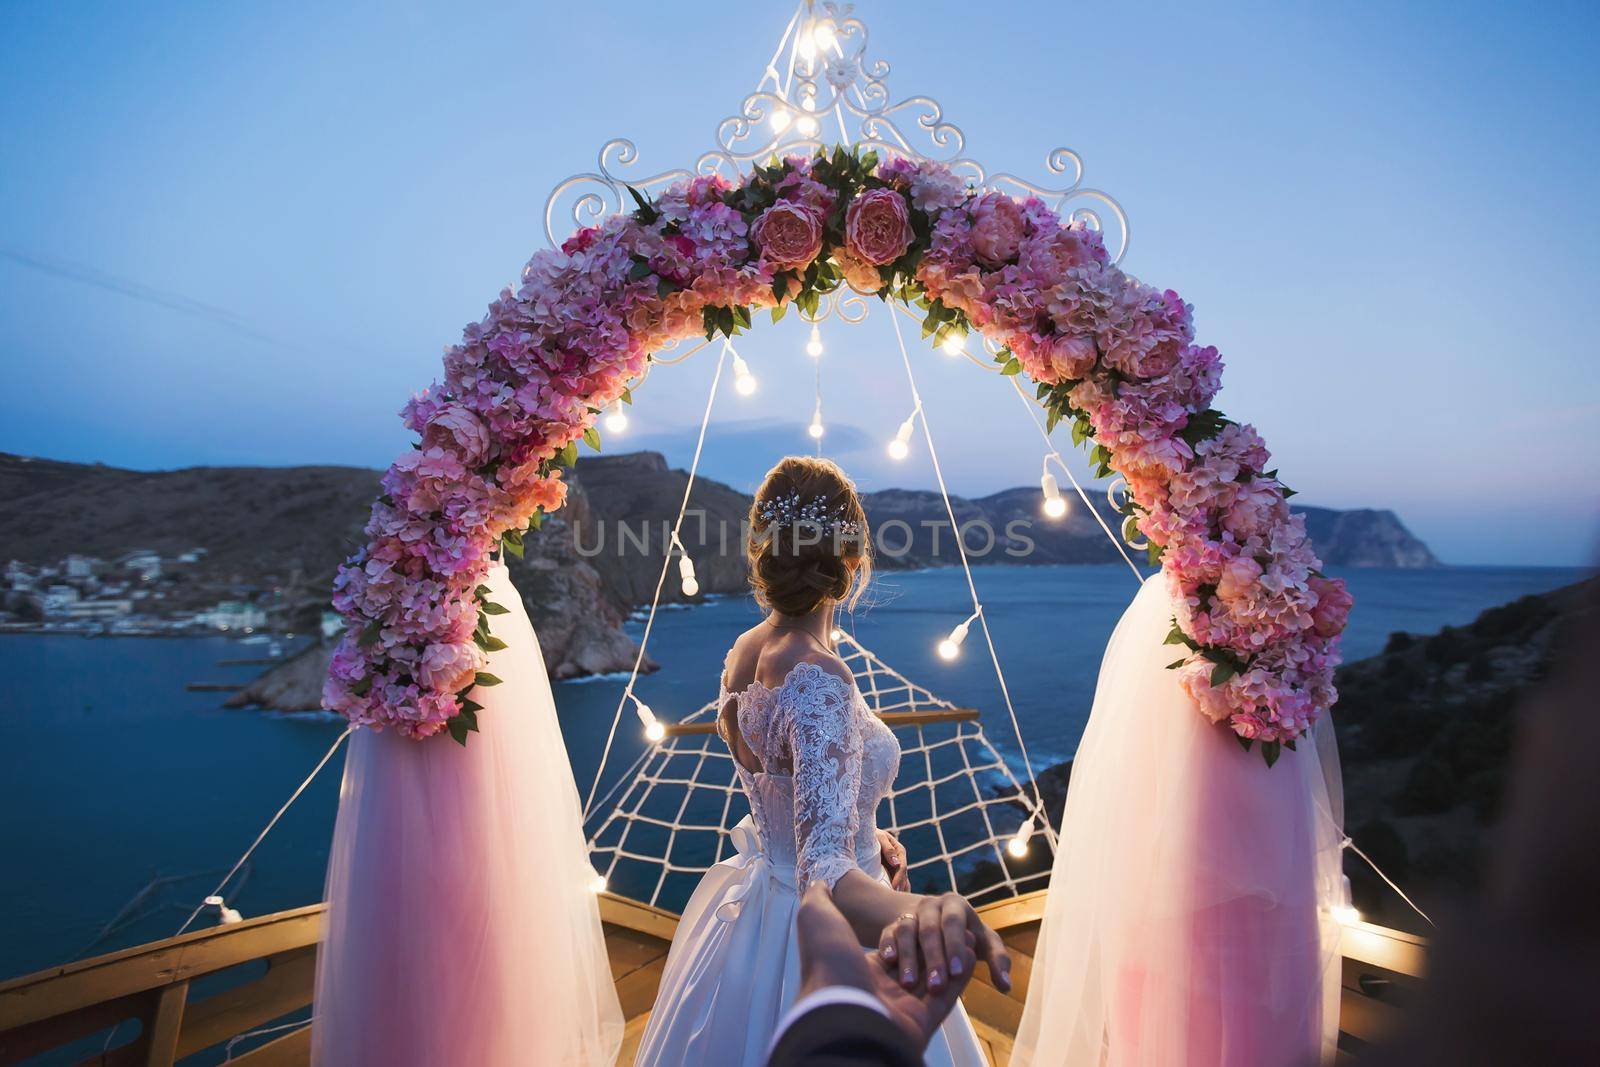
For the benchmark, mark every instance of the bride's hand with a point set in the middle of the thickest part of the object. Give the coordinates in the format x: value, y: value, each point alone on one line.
x: 894, y: 861
x: 939, y: 939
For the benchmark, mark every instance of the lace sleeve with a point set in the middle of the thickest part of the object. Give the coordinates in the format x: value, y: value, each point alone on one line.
x: 825, y: 743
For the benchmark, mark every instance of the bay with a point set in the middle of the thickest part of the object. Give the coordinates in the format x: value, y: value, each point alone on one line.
x: 112, y: 777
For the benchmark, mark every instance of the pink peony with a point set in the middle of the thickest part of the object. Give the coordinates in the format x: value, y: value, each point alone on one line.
x: 454, y: 425
x: 1333, y: 605
x: 997, y: 228
x: 1195, y: 677
x: 789, y: 235
x: 449, y: 667
x: 877, y: 227
x: 1048, y: 256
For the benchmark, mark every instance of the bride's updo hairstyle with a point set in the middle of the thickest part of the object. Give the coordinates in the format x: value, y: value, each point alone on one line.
x: 808, y: 537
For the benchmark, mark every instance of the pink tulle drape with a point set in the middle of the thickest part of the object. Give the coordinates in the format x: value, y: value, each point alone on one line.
x: 1189, y: 914
x: 461, y: 926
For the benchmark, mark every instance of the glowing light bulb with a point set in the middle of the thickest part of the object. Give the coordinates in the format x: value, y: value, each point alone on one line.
x: 954, y: 343
x: 900, y: 447
x: 950, y: 647
x: 835, y: 634
x: 1345, y: 914
x: 653, y: 730
x: 597, y: 884
x: 1018, y: 845
x: 743, y: 380
x: 1055, y: 505
x: 691, y: 586
x: 815, y: 429
x: 808, y: 45
x: 823, y: 35
x: 781, y: 119
x: 814, y: 346
x: 616, y: 418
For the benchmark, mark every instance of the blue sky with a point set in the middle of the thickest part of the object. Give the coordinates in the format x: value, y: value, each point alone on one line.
x: 242, y: 233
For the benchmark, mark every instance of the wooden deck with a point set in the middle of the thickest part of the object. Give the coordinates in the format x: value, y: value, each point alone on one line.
x: 264, y: 969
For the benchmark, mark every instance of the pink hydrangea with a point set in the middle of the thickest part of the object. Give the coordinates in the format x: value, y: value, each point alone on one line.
x: 997, y: 229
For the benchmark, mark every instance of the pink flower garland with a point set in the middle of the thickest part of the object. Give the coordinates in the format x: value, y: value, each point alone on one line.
x: 1259, y: 622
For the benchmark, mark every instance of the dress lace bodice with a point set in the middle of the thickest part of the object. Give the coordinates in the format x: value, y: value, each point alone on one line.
x: 826, y: 762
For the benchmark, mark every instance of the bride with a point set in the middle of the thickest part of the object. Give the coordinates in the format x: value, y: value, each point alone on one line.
x: 814, y: 763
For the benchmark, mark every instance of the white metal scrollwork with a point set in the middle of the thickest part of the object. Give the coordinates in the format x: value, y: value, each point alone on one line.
x: 820, y: 82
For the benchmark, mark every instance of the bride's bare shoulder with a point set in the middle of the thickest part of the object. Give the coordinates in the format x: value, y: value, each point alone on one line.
x: 789, y: 651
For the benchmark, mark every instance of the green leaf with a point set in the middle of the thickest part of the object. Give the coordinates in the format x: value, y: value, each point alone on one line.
x: 1270, y: 751
x: 647, y: 212
x: 491, y: 608
x: 779, y: 311
x: 482, y: 591
x: 1012, y: 367
x: 1289, y: 744
x: 470, y: 707
x: 369, y: 634
x: 511, y: 541
x: 1175, y: 664
x: 492, y: 644
x: 362, y: 687
x: 591, y: 437
x: 458, y: 730
x: 484, y: 678
x: 568, y: 456
x: 1221, y: 673
x: 1244, y: 742
x: 640, y: 270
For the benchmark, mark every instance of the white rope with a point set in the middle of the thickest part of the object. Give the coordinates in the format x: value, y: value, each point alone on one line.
x: 661, y: 579
x: 1353, y: 847
x: 680, y: 800
x: 966, y: 568
x: 1062, y: 463
x: 217, y: 892
x: 227, y: 1051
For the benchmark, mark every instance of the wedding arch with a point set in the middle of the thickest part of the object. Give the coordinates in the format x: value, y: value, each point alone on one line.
x: 1022, y: 278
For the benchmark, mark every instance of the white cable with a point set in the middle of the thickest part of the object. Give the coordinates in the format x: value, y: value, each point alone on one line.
x: 323, y: 762
x: 1062, y: 463
x: 666, y: 563
x: 961, y: 548
x: 1353, y: 847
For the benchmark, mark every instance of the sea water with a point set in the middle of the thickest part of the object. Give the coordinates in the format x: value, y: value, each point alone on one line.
x: 124, y: 798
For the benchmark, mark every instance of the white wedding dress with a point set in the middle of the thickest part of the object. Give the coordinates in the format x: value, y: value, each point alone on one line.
x: 734, y: 967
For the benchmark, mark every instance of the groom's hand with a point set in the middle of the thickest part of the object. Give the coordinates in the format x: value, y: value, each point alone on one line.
x: 830, y: 956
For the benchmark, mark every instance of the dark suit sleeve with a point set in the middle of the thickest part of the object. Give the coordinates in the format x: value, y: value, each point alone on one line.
x: 844, y: 1035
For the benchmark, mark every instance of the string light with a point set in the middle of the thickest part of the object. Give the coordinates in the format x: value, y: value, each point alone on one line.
x: 691, y: 585
x: 616, y: 418
x: 1055, y: 505
x: 950, y: 647
x: 653, y: 730
x: 955, y: 342
x: 814, y: 346
x: 1018, y: 845
x: 781, y: 119
x: 807, y: 125
x: 823, y: 35
x: 1344, y: 914
x: 815, y: 429
x: 900, y: 447
x: 743, y: 380
x: 808, y: 43
x: 835, y: 634
x: 597, y: 884
x: 226, y: 915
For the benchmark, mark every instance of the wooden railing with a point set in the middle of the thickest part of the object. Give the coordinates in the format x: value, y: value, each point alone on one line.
x: 148, y: 986
x: 893, y: 719
x: 274, y: 958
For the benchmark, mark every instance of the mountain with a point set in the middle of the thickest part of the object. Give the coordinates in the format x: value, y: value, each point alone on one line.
x: 277, y: 534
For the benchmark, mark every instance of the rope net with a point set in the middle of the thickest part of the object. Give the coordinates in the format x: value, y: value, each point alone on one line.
x: 955, y: 805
